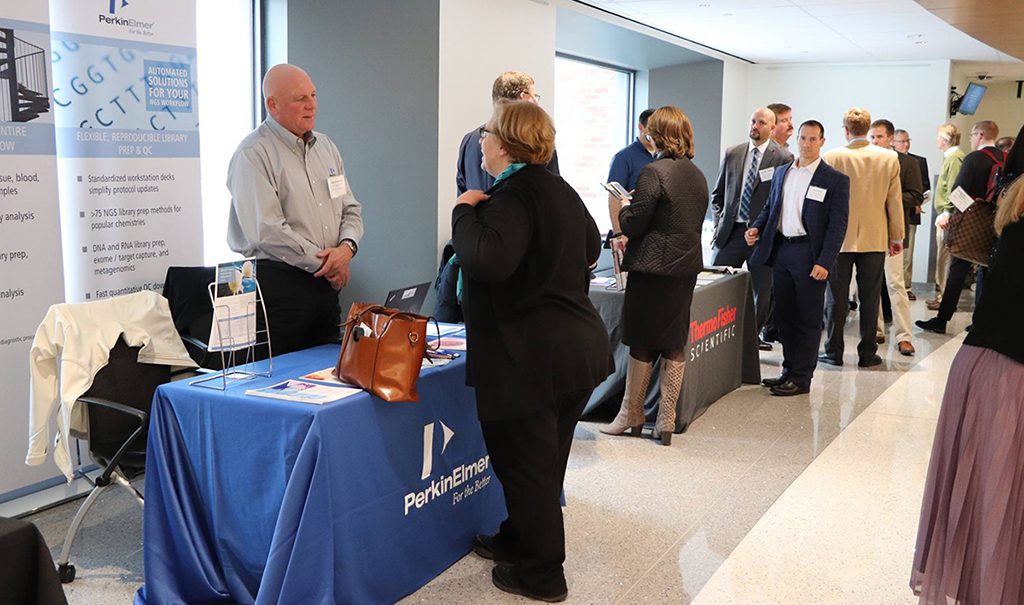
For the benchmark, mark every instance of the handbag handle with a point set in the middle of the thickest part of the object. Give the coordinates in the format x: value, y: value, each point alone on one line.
x: 358, y: 318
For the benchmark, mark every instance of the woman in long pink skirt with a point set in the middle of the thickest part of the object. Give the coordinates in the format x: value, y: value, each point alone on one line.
x: 970, y: 541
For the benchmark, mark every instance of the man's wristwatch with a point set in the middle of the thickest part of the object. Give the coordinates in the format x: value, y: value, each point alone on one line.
x: 351, y: 245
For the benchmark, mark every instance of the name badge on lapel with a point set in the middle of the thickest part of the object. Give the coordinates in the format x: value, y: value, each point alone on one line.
x: 816, y: 193
x: 767, y: 173
x: 337, y: 185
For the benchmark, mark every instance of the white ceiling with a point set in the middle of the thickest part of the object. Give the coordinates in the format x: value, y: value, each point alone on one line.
x: 801, y: 31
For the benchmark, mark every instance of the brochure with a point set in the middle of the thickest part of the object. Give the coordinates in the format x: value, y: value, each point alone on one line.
x: 618, y: 191
x: 304, y: 392
x: 451, y: 343
x: 618, y: 253
x: 325, y: 375
x: 234, y: 306
x: 446, y: 329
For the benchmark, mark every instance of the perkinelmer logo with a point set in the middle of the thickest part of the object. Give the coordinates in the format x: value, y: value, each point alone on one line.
x: 133, y: 26
x: 461, y: 474
x: 428, y: 445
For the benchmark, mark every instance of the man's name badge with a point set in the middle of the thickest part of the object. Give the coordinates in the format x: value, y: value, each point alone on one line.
x: 816, y: 193
x: 767, y: 173
x: 337, y: 185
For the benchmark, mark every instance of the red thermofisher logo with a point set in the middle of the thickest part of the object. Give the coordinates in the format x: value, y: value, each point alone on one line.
x: 701, y: 330
x: 708, y: 334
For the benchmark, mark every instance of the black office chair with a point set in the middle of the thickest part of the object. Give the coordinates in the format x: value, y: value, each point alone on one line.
x: 117, y: 406
x: 185, y: 289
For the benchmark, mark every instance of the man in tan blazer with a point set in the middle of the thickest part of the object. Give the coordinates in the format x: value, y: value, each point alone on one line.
x: 875, y: 228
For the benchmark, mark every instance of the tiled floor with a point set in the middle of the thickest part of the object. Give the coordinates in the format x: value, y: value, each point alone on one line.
x: 809, y: 499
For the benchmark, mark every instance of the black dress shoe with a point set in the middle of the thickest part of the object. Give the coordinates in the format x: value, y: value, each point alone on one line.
x: 504, y: 577
x: 869, y: 362
x: 853, y: 305
x: 832, y: 361
x: 932, y: 325
x: 770, y: 382
x: 788, y: 389
x: 770, y: 335
x: 483, y: 545
x: 763, y: 346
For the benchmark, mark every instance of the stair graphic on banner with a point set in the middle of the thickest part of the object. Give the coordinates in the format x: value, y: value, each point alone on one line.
x: 22, y: 78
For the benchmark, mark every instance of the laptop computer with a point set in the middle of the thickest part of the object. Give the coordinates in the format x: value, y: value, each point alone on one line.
x: 409, y: 299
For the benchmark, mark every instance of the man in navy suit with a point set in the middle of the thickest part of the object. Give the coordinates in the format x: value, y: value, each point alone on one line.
x: 804, y: 224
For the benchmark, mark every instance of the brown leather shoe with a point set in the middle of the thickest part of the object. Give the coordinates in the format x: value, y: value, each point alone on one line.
x: 933, y: 304
x: 906, y: 348
x: 911, y: 295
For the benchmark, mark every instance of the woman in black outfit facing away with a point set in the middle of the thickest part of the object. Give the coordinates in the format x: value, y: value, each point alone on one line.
x: 663, y: 257
x: 970, y: 540
x: 536, y: 345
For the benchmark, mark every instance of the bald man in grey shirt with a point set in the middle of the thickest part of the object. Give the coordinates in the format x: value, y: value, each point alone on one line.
x: 293, y: 209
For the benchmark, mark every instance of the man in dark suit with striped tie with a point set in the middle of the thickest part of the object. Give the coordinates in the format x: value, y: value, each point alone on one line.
x: 798, y: 235
x: 742, y: 187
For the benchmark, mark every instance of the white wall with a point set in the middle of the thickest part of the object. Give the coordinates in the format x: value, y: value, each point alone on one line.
x: 913, y: 95
x: 735, y: 75
x: 479, y: 40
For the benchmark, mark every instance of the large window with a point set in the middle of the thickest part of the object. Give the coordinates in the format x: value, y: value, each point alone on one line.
x: 224, y: 32
x: 593, y: 119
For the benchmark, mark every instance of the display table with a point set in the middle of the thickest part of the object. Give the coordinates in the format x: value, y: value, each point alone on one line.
x: 259, y: 500
x: 720, y: 355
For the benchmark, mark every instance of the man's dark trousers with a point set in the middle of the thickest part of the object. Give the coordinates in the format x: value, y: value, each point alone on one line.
x: 302, y: 310
x: 799, y: 301
x: 870, y: 278
x: 956, y: 277
x: 734, y: 254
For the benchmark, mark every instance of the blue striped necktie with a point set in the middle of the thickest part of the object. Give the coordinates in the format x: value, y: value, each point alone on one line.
x: 748, y: 185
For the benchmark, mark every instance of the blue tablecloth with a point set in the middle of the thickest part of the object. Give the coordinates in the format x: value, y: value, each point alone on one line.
x: 251, y: 499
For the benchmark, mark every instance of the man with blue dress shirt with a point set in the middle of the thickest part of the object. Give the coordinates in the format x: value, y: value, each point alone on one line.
x: 626, y: 167
x: 799, y: 233
x: 513, y: 86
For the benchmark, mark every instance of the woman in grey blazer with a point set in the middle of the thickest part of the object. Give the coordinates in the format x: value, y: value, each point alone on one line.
x: 663, y: 257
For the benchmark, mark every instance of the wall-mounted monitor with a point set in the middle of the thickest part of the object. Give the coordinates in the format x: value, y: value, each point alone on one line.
x: 971, y: 99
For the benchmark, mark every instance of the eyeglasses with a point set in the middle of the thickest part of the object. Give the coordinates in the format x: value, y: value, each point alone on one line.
x: 901, y: 141
x: 483, y: 132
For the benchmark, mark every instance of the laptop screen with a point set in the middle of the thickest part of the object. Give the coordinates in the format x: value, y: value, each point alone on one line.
x: 409, y: 299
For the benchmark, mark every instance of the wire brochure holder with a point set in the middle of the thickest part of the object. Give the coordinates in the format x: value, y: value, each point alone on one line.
x: 236, y: 336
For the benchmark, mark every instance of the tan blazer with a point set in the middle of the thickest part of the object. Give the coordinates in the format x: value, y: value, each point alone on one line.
x: 876, y: 199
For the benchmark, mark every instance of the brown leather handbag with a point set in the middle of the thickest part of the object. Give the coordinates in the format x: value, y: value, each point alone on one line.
x: 382, y: 351
x: 972, y: 234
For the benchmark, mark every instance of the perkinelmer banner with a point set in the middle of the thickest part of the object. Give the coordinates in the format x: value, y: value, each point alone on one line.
x: 127, y: 132
x: 30, y: 249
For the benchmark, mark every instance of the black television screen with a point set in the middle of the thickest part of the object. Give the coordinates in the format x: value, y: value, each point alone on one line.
x: 971, y: 99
